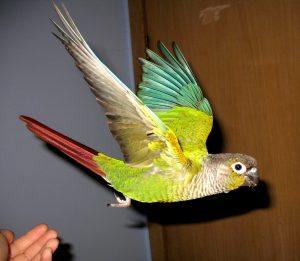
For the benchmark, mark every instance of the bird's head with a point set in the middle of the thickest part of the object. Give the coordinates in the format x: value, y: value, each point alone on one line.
x: 233, y: 170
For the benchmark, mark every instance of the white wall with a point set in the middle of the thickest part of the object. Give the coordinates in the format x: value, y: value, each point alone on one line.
x: 38, y: 78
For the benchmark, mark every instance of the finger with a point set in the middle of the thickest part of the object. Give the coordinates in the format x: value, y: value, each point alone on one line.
x: 41, y: 243
x: 52, y: 244
x: 47, y: 254
x: 9, y: 235
x: 25, y: 241
x: 4, y: 250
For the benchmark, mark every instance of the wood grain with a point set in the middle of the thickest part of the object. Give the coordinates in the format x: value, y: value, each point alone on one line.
x: 247, y: 58
x: 138, y: 32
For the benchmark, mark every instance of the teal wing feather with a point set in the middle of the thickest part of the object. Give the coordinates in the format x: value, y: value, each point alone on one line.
x: 170, y: 82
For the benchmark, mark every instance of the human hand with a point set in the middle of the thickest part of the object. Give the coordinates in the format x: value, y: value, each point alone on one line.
x: 38, y: 244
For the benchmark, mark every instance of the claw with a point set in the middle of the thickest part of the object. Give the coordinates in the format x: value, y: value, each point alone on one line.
x: 121, y: 202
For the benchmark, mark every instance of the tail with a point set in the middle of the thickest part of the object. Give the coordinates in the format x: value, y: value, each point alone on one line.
x: 75, y: 150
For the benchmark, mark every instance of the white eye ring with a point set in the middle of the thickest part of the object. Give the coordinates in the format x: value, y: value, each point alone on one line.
x: 238, y: 167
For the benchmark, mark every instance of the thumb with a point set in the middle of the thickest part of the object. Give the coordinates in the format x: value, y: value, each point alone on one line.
x: 4, y: 248
x: 9, y: 235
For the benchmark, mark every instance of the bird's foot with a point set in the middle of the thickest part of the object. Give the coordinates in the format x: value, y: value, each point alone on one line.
x: 122, y: 203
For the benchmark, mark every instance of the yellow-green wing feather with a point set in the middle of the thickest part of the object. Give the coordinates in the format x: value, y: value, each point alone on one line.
x: 192, y: 137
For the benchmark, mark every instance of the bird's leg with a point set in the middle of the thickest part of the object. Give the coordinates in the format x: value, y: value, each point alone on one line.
x: 122, y: 203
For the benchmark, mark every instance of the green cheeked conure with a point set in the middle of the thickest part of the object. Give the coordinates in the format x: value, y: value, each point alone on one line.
x: 162, y: 131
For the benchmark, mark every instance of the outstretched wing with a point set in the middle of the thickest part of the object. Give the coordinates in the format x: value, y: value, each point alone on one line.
x: 142, y: 136
x: 170, y: 82
x: 170, y: 89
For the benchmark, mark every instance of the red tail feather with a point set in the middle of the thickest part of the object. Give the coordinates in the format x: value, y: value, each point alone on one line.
x: 75, y: 150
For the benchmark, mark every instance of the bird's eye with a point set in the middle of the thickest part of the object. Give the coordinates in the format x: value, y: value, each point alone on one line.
x: 238, y: 167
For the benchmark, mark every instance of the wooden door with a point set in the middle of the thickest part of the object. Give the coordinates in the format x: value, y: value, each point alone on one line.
x: 246, y: 55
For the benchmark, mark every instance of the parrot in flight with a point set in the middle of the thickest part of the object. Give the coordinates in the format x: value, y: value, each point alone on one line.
x: 162, y: 131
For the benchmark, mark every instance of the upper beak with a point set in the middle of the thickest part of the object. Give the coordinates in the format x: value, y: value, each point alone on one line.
x: 251, y: 177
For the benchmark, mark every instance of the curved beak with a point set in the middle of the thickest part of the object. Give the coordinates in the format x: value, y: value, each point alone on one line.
x: 251, y: 177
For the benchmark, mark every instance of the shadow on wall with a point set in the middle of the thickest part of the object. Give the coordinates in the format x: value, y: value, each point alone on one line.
x: 215, y: 142
x: 63, y: 252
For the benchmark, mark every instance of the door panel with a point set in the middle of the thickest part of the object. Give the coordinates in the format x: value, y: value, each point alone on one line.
x: 246, y: 55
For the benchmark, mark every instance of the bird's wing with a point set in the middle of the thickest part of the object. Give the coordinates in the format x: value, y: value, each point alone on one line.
x: 170, y: 89
x: 142, y: 136
x: 170, y: 82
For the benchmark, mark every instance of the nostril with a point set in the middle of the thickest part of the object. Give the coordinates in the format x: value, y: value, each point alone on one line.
x: 252, y: 177
x: 253, y: 170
